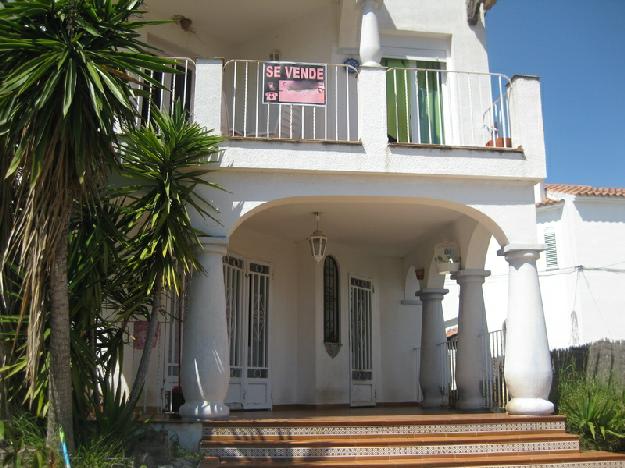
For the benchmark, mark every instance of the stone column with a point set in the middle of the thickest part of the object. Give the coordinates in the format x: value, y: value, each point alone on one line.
x: 434, y: 363
x: 472, y: 354
x: 528, y: 360
x: 370, y: 51
x: 205, y: 366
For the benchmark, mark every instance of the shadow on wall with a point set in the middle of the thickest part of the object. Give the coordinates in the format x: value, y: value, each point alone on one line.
x: 602, y: 212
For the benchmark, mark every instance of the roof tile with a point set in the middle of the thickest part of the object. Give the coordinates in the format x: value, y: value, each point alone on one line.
x: 586, y: 190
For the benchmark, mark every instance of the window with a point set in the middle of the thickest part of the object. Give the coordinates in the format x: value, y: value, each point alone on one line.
x: 414, y: 101
x: 331, y: 312
x: 551, y: 252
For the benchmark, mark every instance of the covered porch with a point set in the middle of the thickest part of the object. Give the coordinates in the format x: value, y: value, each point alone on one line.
x: 269, y: 327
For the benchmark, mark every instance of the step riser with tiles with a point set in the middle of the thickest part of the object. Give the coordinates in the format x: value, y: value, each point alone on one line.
x: 382, y: 430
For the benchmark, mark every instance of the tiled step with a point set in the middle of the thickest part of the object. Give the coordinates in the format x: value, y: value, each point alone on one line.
x: 369, y: 439
x: 541, y: 460
x: 390, y: 447
x: 377, y: 425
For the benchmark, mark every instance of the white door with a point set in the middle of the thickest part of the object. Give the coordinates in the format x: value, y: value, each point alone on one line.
x: 362, y: 386
x: 247, y: 312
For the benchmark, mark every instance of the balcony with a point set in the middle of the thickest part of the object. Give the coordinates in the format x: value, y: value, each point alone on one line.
x: 390, y: 119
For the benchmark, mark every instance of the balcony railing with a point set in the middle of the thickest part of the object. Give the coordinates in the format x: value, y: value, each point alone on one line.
x: 174, y: 86
x: 245, y: 115
x: 445, y: 107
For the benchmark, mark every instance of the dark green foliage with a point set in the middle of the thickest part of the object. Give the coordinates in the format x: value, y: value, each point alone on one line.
x: 588, y: 388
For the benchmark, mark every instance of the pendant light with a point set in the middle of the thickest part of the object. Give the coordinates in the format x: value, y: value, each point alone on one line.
x: 318, y: 241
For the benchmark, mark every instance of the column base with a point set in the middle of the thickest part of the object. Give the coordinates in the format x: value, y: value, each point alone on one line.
x: 433, y: 403
x: 529, y: 406
x: 204, y: 410
x: 472, y: 404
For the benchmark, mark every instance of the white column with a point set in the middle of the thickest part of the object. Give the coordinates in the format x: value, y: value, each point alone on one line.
x: 434, y: 363
x: 472, y: 354
x: 205, y: 366
x: 208, y: 92
x: 528, y: 360
x: 370, y: 51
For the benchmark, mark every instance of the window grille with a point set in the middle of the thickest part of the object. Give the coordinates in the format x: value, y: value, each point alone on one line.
x: 331, y: 310
x: 551, y: 252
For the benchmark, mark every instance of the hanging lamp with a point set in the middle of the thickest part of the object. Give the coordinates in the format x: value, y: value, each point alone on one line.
x: 318, y: 241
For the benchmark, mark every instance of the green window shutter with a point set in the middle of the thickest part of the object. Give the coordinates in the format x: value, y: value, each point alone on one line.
x: 397, y: 103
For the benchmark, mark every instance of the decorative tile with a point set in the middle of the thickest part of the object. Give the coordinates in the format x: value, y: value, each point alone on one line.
x: 389, y: 451
x: 406, y: 429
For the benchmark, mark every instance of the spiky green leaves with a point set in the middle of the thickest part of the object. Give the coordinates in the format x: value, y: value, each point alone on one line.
x: 168, y: 165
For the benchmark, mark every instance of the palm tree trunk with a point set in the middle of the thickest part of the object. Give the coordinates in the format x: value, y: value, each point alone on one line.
x: 60, y: 384
x: 142, y: 371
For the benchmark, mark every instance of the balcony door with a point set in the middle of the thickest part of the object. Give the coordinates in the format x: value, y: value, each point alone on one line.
x: 414, y: 101
x: 247, y: 313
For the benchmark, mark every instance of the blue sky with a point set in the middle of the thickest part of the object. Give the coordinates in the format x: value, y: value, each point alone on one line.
x: 577, y: 47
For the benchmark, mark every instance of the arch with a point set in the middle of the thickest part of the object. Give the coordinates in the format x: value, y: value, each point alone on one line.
x: 481, y: 217
x: 412, y: 284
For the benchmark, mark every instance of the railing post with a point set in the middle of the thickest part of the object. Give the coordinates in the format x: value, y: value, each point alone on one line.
x: 372, y: 123
x: 526, y: 121
x: 207, y: 98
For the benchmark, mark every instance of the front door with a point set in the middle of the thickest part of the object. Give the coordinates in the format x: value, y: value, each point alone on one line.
x: 247, y: 312
x: 362, y: 384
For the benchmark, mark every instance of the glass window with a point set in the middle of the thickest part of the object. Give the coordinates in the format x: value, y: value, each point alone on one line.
x: 331, y: 312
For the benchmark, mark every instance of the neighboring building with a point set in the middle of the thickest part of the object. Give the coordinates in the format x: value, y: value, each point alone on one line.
x: 414, y: 154
x: 581, y: 271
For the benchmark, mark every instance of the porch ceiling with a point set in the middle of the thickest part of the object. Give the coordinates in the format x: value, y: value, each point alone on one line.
x: 390, y: 228
x: 235, y: 21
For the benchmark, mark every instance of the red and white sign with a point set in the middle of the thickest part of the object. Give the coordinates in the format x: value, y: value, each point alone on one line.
x: 294, y: 83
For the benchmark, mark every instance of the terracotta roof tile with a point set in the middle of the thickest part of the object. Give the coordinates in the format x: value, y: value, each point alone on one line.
x: 586, y: 190
x: 549, y: 202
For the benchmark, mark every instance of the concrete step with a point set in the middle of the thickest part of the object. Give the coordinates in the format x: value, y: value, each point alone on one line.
x: 542, y: 460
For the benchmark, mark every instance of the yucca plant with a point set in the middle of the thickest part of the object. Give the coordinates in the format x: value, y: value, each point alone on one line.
x: 167, y: 163
x: 594, y: 410
x: 67, y: 70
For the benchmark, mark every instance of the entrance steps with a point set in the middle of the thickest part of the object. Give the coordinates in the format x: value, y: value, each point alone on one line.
x: 378, y: 439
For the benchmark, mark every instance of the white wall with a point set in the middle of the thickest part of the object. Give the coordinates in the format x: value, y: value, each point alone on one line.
x: 581, y: 305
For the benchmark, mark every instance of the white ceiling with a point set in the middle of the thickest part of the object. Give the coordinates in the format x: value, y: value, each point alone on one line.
x: 235, y: 21
x: 390, y: 228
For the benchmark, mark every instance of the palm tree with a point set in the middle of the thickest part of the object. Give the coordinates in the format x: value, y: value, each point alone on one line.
x: 67, y: 69
x: 168, y: 165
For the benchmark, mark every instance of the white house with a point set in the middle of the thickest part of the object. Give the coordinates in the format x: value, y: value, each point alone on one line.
x: 385, y: 118
x: 581, y: 272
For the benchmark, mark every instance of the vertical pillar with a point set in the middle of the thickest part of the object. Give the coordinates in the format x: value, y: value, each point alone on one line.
x: 370, y: 50
x: 472, y: 354
x: 434, y: 362
x: 205, y: 366
x: 207, y: 94
x: 528, y: 360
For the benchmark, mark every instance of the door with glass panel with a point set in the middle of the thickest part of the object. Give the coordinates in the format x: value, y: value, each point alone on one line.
x: 247, y: 313
x: 414, y: 98
x: 362, y: 382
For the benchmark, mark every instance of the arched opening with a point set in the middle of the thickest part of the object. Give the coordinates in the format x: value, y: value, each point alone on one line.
x: 326, y: 321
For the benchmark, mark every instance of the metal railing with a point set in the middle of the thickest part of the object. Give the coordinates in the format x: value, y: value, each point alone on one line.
x: 174, y: 86
x: 245, y: 115
x: 494, y: 390
x: 448, y: 107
